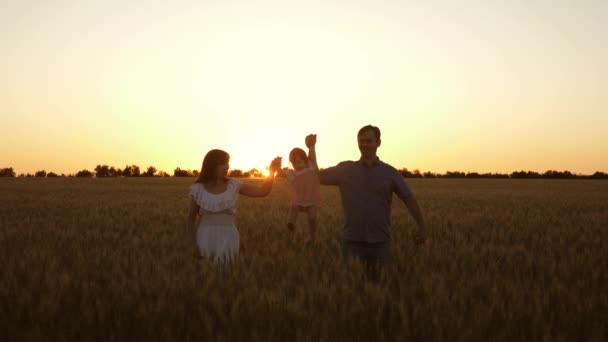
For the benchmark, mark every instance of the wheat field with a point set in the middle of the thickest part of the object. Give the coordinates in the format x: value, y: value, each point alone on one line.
x: 112, y: 260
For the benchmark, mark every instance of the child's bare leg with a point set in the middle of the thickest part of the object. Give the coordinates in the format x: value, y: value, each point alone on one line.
x: 291, y: 218
x: 313, y: 213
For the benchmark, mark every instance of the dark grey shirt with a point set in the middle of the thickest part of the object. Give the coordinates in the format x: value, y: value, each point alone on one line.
x: 367, y: 193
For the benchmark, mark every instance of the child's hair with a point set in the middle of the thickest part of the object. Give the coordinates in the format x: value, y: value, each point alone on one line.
x: 297, y: 152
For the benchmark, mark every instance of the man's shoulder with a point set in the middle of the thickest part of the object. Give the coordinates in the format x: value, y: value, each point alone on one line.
x: 388, y: 169
x: 386, y: 165
x: 346, y: 163
x: 339, y: 168
x: 342, y: 164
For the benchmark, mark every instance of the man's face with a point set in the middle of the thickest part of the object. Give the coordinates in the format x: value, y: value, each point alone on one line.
x: 368, y: 144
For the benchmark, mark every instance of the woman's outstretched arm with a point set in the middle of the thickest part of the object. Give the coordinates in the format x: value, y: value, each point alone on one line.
x: 261, y: 190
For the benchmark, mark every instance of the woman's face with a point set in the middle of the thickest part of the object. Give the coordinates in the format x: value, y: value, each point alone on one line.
x: 221, y: 170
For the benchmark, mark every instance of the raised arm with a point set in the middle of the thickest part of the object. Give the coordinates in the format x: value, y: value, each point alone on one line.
x: 261, y: 190
x: 311, y: 141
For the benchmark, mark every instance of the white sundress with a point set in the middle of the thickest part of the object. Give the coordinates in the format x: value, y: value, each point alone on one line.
x: 216, y: 235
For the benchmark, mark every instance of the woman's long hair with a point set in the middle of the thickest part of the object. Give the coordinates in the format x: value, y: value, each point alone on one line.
x: 212, y: 159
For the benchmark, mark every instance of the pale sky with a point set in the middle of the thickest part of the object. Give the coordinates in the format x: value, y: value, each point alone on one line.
x: 485, y: 86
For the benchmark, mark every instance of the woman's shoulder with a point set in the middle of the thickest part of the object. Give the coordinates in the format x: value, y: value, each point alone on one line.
x: 234, y: 183
x: 196, y: 189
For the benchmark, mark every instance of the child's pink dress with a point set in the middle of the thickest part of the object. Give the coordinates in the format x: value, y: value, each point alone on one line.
x: 306, y: 187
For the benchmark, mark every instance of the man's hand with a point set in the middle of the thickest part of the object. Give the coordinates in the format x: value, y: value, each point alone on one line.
x: 311, y: 140
x: 420, y: 236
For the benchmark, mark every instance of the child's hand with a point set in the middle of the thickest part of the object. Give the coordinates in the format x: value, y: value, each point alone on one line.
x: 311, y: 140
x: 275, y: 164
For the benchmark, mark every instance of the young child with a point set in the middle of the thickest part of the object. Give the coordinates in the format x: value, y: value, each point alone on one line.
x: 304, y: 178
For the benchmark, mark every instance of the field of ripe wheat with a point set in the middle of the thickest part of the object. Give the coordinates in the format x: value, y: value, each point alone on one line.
x: 111, y: 260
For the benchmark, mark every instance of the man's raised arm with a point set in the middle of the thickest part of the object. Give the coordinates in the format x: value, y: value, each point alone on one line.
x: 311, y: 141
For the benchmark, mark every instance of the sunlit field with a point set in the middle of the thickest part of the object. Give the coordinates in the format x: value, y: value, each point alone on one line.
x: 111, y: 260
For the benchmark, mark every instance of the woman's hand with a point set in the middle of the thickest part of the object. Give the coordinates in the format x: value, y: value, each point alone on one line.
x: 275, y: 165
x: 261, y: 190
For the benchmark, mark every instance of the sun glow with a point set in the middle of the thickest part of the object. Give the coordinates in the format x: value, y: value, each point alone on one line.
x: 264, y: 90
x: 272, y: 74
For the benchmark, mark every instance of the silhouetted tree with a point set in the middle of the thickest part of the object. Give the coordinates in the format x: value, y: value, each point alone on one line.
x: 236, y: 173
x: 410, y: 174
x: 40, y: 174
x: 405, y: 172
x: 131, y: 171
x: 150, y: 171
x: 557, y: 174
x: 472, y: 175
x: 429, y: 174
x: 7, y: 172
x: 524, y: 174
x: 182, y: 173
x: 102, y: 171
x: 518, y: 174
x: 115, y: 172
x: 454, y: 174
x: 163, y: 174
x: 599, y: 175
x: 51, y: 175
x: 255, y: 173
x: 127, y: 172
x: 84, y: 174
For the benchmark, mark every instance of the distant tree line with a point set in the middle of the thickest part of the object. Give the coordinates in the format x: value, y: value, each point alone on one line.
x: 105, y: 171
x: 550, y: 174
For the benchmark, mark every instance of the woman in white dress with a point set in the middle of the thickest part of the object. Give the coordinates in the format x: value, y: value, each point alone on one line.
x: 212, y: 201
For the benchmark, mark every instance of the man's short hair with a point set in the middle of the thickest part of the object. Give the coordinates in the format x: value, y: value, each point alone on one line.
x: 374, y: 129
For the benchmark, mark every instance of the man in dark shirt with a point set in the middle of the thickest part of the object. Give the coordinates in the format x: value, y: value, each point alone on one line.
x: 366, y: 189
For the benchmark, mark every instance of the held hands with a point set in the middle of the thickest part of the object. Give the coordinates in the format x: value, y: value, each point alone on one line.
x: 310, y: 140
x: 275, y: 165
